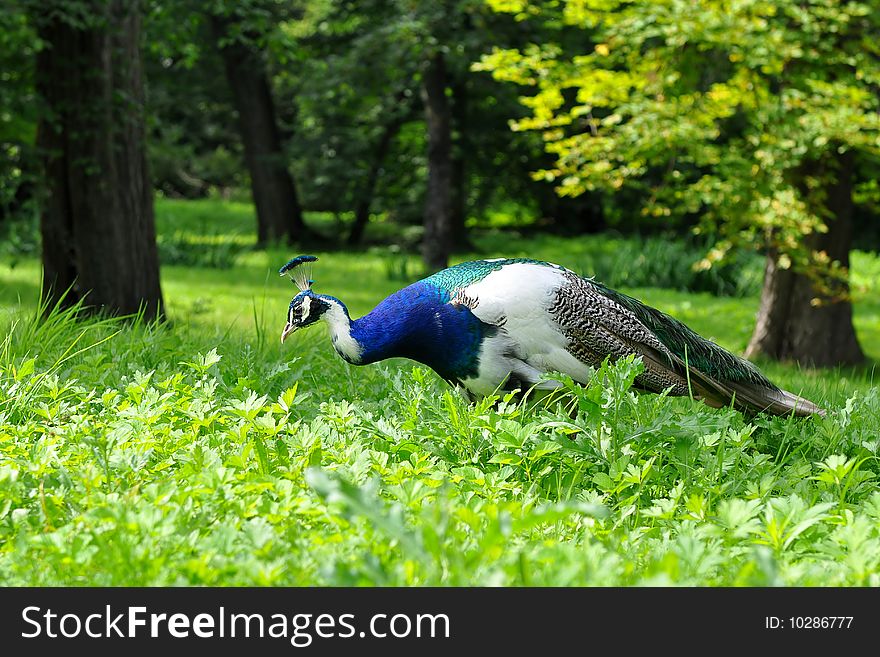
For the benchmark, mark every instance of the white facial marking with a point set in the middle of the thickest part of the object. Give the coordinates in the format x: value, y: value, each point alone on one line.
x: 306, y: 304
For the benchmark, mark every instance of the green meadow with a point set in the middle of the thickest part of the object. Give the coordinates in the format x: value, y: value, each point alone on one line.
x: 201, y: 451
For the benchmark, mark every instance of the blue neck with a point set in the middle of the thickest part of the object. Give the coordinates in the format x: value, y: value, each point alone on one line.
x: 418, y: 323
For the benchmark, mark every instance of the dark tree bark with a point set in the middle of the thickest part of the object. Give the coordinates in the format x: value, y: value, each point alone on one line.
x: 437, y: 240
x: 279, y: 215
x: 791, y: 325
x: 97, y: 224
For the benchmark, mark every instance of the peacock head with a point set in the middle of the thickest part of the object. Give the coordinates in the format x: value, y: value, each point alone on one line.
x: 306, y: 308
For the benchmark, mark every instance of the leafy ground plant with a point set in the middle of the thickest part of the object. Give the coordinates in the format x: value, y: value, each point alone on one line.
x: 202, y: 452
x: 133, y: 454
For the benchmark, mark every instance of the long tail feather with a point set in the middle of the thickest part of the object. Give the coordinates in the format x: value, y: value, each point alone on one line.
x: 751, y: 397
x: 718, y: 376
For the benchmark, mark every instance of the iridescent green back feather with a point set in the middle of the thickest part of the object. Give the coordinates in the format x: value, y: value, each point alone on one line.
x: 468, y: 273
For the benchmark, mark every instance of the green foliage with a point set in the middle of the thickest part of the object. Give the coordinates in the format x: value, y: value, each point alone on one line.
x: 346, y: 78
x: 667, y: 263
x: 211, y: 234
x: 736, y: 113
x: 134, y: 455
x: 397, y: 263
x: 202, y: 452
x: 18, y: 114
x: 214, y: 252
x: 20, y: 237
x: 193, y: 142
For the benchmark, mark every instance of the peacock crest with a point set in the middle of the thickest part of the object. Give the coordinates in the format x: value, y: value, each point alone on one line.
x: 299, y: 270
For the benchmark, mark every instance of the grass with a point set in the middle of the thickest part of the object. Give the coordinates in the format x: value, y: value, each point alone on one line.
x: 204, y: 452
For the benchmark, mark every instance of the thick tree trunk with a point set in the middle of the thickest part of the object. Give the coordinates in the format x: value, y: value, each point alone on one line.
x: 794, y: 321
x: 365, y: 199
x: 279, y: 215
x: 98, y: 231
x: 437, y: 241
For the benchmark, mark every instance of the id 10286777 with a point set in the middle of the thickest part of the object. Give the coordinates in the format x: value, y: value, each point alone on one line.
x: 808, y: 622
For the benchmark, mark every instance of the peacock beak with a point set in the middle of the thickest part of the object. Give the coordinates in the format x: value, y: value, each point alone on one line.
x: 288, y: 329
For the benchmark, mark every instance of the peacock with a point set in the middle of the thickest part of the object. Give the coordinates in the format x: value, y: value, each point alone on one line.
x: 503, y: 323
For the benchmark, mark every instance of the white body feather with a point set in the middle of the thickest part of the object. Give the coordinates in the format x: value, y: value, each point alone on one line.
x: 339, y: 326
x: 517, y: 298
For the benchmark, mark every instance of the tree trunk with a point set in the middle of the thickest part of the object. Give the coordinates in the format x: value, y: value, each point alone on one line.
x: 97, y: 224
x: 795, y: 322
x: 279, y: 215
x: 437, y: 240
x: 365, y: 200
